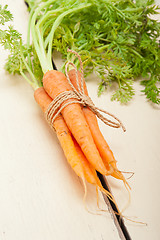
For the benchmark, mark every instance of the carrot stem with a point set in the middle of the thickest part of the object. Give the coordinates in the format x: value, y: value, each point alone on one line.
x: 38, y: 42
x: 34, y: 82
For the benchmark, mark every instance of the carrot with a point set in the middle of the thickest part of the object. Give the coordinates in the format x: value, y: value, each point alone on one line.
x: 71, y: 149
x: 88, y: 168
x: 91, y: 173
x: 55, y: 83
x: 102, y: 146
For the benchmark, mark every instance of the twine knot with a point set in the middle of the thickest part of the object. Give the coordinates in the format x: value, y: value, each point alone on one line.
x: 78, y: 96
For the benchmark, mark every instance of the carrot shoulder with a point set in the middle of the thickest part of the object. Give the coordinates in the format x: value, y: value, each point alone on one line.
x: 55, y: 83
x: 102, y: 146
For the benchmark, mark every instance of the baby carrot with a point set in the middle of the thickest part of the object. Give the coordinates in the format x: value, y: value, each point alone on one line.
x: 72, y: 151
x: 102, y: 146
x: 55, y: 83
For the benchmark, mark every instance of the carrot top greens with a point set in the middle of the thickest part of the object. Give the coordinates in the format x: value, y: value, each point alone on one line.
x: 118, y: 40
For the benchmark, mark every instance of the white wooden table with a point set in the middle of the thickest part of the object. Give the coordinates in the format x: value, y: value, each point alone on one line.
x: 40, y: 196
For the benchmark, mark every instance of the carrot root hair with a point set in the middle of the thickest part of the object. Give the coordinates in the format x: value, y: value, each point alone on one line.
x: 134, y: 221
x: 127, y: 172
x: 129, y: 197
x: 84, y: 197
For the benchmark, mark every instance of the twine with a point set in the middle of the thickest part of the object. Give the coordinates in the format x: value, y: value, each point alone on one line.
x: 78, y: 96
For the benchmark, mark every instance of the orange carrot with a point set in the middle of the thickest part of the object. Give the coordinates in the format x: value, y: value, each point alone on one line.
x: 55, y: 83
x: 71, y: 149
x: 102, y: 146
x: 88, y: 168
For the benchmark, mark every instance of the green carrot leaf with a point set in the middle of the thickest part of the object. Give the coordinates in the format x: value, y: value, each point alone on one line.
x: 117, y: 40
x: 5, y: 15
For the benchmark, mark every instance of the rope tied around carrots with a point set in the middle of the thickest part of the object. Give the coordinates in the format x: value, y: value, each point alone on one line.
x: 79, y: 96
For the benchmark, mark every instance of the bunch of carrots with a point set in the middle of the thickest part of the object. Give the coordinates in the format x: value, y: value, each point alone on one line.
x: 76, y: 125
x: 77, y: 129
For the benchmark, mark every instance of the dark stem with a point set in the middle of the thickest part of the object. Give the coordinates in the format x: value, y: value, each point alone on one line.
x: 116, y: 212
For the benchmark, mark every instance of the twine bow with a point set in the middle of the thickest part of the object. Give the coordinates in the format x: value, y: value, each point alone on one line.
x: 78, y: 96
